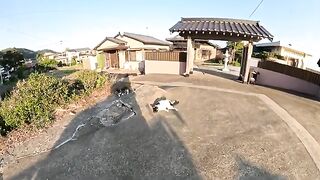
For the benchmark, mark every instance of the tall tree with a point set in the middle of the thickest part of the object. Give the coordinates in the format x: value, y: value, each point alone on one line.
x: 12, y: 58
x: 235, y: 49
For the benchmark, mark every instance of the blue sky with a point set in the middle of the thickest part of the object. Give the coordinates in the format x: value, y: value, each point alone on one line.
x: 39, y: 24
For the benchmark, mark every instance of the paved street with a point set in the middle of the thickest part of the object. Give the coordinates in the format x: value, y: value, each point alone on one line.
x: 219, y: 131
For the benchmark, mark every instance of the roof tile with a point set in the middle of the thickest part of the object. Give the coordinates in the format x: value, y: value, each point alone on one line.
x: 246, y: 27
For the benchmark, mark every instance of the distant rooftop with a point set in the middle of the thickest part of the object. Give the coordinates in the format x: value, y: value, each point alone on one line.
x: 78, y: 49
x: 280, y: 44
x: 144, y: 39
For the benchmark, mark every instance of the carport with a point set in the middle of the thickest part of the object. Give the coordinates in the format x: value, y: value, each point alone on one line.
x: 221, y: 29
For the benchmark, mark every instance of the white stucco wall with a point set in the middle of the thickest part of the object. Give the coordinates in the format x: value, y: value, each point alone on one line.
x: 164, y: 67
x: 157, y: 47
x: 71, y: 55
x: 90, y: 63
x: 134, y: 65
x: 122, y: 58
x: 254, y: 62
x: 139, y: 55
x: 274, y: 79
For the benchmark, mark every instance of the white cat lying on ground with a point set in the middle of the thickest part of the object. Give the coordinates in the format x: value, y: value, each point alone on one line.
x: 163, y: 104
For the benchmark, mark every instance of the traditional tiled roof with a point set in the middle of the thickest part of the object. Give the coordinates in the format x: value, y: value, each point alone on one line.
x: 115, y: 40
x: 112, y: 39
x: 145, y: 39
x: 221, y: 25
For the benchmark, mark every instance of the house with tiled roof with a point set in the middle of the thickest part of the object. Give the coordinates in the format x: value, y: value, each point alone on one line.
x: 286, y: 53
x: 204, y: 49
x: 127, y: 50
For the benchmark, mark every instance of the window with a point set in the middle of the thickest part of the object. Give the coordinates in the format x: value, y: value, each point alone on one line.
x: 131, y: 55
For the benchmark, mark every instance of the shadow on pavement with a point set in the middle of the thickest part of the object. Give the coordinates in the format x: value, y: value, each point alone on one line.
x: 130, y: 149
x: 248, y: 171
x: 216, y: 73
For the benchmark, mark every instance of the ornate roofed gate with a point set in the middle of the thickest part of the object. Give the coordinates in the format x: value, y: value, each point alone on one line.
x: 221, y: 29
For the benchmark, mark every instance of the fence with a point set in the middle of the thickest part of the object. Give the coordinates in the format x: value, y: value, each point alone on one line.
x: 166, y: 56
x: 291, y: 71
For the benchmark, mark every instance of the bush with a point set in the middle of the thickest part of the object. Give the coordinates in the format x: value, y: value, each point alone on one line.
x: 278, y: 56
x: 60, y: 64
x: 91, y: 80
x: 20, y: 72
x: 46, y: 62
x: 262, y: 55
x: 33, y: 101
x: 101, y: 58
x: 73, y: 62
x: 236, y: 63
x: 3, y: 128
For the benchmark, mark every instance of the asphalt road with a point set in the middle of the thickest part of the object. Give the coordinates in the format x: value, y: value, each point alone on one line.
x: 212, y: 135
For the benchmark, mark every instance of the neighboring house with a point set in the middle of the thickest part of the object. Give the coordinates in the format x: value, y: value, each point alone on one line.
x: 289, y: 55
x: 204, y: 50
x: 127, y: 50
x: 72, y: 54
x: 78, y: 54
x: 61, y: 57
x: 49, y: 55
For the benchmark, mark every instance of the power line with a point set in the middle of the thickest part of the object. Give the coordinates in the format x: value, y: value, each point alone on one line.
x: 256, y: 8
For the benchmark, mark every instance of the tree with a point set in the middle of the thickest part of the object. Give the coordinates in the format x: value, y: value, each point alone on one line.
x: 12, y: 59
x: 235, y: 49
x: 40, y: 57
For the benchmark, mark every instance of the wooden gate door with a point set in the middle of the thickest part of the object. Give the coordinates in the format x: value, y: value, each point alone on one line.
x: 114, y: 60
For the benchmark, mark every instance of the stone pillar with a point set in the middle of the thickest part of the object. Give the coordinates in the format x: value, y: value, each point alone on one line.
x: 190, y: 56
x: 247, y: 62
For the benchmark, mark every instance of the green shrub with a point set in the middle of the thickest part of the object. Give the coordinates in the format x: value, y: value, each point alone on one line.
x: 73, y: 62
x: 46, y: 62
x: 33, y: 101
x: 21, y: 72
x: 91, y: 80
x: 101, y: 59
x: 236, y: 63
x: 3, y: 128
x: 60, y: 64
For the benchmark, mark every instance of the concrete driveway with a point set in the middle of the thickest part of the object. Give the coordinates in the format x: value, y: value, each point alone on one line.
x: 214, y: 134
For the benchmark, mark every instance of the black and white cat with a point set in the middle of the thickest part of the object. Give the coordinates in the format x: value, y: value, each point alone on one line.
x: 163, y: 104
